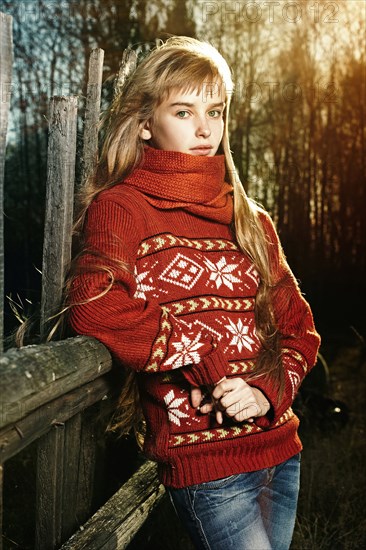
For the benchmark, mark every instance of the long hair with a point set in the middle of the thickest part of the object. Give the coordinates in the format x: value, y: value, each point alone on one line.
x: 183, y: 64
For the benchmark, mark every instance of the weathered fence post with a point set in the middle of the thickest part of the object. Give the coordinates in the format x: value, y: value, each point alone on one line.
x: 59, y: 203
x: 92, y: 111
x: 56, y: 257
x: 59, y: 509
x: 127, y: 65
x: 6, y: 60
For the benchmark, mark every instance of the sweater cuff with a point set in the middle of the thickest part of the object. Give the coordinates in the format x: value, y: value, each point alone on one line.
x: 210, y: 370
x: 266, y: 420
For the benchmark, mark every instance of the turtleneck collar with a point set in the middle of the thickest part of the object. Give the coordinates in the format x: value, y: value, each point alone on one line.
x: 170, y: 179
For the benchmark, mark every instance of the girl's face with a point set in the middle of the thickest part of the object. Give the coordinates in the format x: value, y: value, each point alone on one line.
x: 190, y: 122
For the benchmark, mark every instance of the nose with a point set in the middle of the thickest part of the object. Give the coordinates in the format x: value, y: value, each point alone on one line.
x: 203, y: 129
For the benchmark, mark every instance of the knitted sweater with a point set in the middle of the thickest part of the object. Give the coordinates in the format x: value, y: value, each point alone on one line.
x: 180, y: 313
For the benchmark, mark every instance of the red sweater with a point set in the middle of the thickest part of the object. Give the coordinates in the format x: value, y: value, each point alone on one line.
x: 181, y: 313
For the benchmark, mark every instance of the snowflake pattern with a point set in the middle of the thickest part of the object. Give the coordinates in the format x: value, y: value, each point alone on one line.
x: 173, y: 403
x: 186, y: 352
x: 240, y: 335
x: 221, y: 273
x: 142, y: 286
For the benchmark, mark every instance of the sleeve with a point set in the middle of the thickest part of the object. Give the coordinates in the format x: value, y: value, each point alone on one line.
x: 299, y: 338
x: 140, y: 334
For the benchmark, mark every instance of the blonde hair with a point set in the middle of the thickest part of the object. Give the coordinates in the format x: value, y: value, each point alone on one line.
x: 184, y: 64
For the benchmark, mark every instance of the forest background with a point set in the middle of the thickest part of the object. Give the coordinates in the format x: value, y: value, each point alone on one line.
x: 298, y: 123
x: 298, y: 134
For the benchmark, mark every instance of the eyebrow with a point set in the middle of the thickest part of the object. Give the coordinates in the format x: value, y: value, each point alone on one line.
x: 184, y: 104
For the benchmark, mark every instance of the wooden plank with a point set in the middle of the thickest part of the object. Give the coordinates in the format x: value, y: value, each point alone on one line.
x: 71, y: 471
x: 34, y: 375
x: 83, y: 437
x: 116, y: 523
x: 6, y: 60
x: 75, y: 464
x: 90, y: 478
x: 92, y: 112
x: 50, y: 459
x: 19, y: 435
x: 59, y: 204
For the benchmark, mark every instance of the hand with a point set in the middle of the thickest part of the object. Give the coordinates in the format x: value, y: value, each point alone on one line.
x: 196, y: 399
x: 239, y: 400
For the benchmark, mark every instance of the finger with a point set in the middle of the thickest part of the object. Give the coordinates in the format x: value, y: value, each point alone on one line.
x: 250, y: 411
x: 229, y: 385
x: 235, y: 409
x: 219, y: 417
x: 229, y: 399
x: 222, y: 388
x: 196, y: 397
x: 206, y: 408
x: 242, y: 410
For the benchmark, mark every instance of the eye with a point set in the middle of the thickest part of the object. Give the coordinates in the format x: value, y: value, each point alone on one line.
x: 182, y: 114
x: 215, y: 113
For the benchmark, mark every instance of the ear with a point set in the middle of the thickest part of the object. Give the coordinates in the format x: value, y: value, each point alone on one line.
x: 145, y: 132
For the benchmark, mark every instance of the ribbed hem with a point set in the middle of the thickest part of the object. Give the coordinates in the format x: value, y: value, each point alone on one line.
x: 198, y: 464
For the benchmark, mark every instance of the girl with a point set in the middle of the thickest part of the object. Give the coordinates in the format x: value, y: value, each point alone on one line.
x: 183, y: 278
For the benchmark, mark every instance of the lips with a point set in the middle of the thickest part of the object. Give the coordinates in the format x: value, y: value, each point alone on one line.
x: 201, y: 149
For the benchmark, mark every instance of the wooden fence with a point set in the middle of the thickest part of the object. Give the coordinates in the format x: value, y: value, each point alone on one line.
x: 59, y: 396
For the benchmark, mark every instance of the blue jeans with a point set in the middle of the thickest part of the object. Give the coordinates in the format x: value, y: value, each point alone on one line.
x: 250, y: 511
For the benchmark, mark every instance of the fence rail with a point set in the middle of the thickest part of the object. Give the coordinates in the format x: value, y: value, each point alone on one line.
x: 45, y: 389
x: 47, y: 384
x: 116, y: 523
